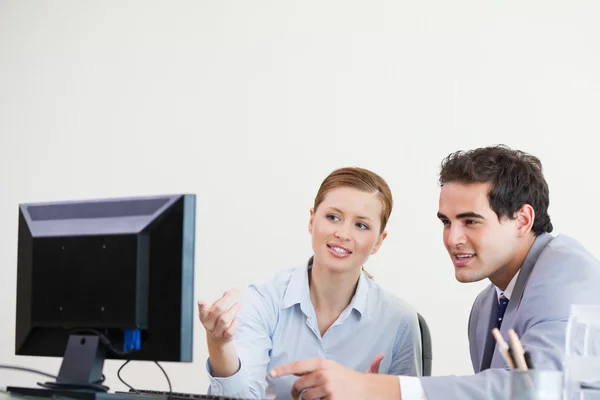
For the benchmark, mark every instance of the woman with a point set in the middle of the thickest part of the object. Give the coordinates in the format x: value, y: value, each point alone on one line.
x: 328, y: 308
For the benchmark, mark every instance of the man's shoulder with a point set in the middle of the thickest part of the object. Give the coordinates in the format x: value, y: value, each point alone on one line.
x: 564, y: 274
x: 567, y: 257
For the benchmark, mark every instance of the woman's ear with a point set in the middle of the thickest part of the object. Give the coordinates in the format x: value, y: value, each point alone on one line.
x: 310, y: 220
x: 379, y: 242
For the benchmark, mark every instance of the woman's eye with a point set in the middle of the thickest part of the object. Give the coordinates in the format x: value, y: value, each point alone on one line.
x: 360, y: 225
x: 332, y: 217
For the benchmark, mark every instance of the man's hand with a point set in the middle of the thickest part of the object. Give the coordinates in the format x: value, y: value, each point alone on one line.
x: 322, y: 379
x: 326, y: 379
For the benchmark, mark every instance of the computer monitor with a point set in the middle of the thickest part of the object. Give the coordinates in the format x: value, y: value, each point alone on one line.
x: 105, y: 279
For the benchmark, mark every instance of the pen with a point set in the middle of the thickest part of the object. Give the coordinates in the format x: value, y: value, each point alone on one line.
x: 517, y: 349
x: 528, y: 360
x: 503, y: 348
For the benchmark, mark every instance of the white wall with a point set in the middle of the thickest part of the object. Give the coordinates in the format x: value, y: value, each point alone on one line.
x: 250, y: 104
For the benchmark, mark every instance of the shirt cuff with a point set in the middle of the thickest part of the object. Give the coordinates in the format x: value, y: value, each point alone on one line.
x: 411, y: 388
x: 229, y: 386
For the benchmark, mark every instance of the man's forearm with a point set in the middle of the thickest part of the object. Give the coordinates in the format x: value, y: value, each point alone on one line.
x: 383, y: 387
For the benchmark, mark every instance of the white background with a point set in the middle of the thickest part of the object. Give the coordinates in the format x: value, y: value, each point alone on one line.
x: 250, y: 104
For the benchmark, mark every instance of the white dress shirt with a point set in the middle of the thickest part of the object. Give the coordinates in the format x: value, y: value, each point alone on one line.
x: 410, y: 386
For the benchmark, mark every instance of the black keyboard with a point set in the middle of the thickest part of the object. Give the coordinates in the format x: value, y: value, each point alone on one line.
x: 177, y: 395
x: 131, y: 395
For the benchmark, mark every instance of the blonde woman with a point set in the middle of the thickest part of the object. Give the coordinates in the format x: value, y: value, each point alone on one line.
x: 327, y: 308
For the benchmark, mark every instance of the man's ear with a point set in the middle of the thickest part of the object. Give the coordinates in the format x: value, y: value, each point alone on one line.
x: 379, y: 242
x: 310, y: 220
x: 525, y: 217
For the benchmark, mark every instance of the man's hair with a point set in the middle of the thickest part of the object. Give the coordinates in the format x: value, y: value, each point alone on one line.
x: 515, y: 179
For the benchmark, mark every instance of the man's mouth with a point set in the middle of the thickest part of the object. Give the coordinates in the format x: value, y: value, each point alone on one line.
x: 462, y: 259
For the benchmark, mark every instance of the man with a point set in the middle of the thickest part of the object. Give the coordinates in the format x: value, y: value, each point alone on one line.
x: 494, y: 209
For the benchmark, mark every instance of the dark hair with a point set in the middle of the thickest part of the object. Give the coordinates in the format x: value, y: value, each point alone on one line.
x: 516, y: 179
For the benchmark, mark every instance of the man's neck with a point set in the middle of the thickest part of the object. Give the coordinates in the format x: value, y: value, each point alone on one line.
x: 504, y: 275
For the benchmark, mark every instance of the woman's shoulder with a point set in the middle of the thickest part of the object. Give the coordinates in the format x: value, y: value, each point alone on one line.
x: 389, y: 302
x: 274, y: 286
x: 261, y: 301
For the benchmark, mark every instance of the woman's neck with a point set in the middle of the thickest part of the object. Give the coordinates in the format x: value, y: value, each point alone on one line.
x: 330, y: 293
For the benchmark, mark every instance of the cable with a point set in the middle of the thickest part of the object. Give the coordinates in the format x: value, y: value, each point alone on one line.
x: 35, y: 371
x: 168, y: 380
x: 105, y: 341
x: 61, y: 383
x: 67, y: 384
x: 121, y: 379
x: 97, y: 386
x: 137, y: 391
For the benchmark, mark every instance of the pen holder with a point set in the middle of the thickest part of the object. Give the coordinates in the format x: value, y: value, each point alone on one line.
x: 536, y: 384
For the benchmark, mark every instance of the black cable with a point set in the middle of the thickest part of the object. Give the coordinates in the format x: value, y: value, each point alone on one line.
x: 73, y: 385
x: 95, y: 386
x: 105, y: 341
x: 137, y: 391
x: 68, y: 385
x: 121, y: 379
x: 35, y: 371
x: 168, y: 380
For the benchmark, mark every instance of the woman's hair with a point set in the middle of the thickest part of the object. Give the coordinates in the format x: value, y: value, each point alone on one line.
x: 363, y: 180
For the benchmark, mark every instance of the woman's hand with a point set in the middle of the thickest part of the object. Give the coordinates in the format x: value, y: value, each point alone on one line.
x: 220, y: 318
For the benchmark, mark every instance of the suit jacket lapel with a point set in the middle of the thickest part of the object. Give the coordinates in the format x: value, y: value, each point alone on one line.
x: 515, y: 298
x: 485, y: 322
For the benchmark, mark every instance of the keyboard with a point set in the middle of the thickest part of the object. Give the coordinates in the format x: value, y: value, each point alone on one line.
x: 177, y: 395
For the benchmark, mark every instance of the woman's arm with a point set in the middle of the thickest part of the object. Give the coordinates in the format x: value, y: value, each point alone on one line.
x: 407, y: 352
x: 237, y: 366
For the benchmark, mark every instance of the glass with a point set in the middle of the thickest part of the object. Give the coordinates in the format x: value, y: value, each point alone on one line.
x: 582, y: 354
x: 536, y: 384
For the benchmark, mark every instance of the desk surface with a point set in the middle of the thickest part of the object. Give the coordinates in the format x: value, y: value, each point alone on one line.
x: 99, y: 396
x: 11, y: 396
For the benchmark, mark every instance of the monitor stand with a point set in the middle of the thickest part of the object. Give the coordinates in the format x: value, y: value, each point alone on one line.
x: 80, y: 373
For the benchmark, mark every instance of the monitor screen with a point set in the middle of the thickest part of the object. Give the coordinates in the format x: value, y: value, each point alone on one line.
x: 109, y: 278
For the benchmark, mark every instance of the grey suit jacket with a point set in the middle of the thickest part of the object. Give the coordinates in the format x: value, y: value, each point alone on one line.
x: 556, y: 273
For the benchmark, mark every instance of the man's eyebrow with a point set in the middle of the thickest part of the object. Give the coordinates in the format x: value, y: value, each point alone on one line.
x: 469, y: 214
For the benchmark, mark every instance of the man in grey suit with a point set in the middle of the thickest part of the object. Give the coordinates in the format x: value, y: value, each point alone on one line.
x: 494, y: 209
